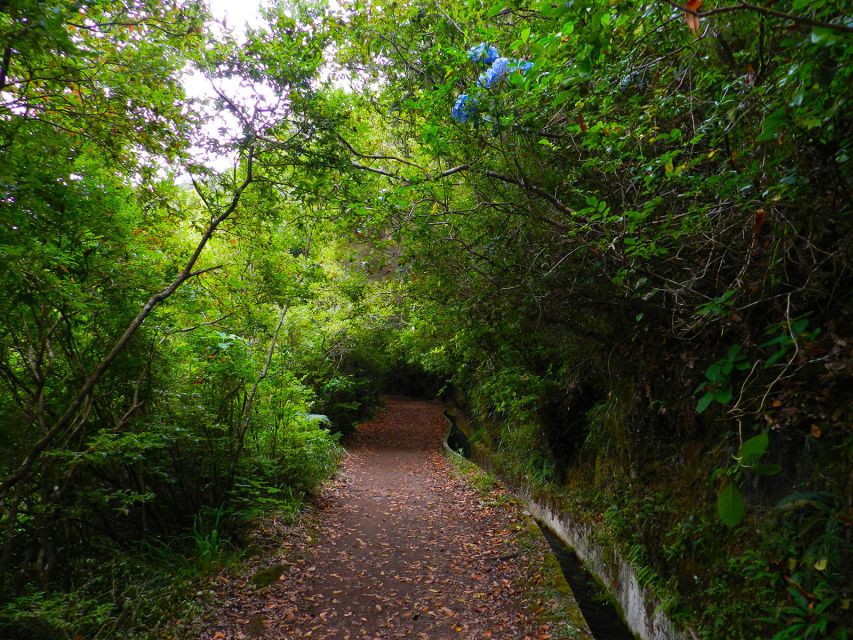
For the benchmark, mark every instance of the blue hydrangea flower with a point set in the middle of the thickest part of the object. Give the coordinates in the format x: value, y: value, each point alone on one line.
x: 484, y: 53
x: 520, y: 65
x: 494, y: 74
x: 464, y: 109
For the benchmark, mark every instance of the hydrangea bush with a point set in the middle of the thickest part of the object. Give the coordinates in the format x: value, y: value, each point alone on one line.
x: 483, y: 52
x: 494, y: 74
x: 520, y: 65
x: 464, y: 109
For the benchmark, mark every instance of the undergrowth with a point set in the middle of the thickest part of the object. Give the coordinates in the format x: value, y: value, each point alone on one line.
x: 156, y: 591
x: 779, y: 575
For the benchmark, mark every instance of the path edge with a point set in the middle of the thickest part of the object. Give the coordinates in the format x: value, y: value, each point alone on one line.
x: 553, y: 574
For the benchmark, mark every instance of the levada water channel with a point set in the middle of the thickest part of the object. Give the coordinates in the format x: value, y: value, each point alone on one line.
x: 601, y: 616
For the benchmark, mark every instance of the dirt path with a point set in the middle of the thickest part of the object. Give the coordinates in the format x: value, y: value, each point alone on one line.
x: 399, y: 547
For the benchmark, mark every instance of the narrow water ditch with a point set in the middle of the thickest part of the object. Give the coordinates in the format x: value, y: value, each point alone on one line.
x: 599, y: 613
x: 601, y: 616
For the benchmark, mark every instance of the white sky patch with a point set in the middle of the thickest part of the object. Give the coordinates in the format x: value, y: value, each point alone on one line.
x: 257, y: 101
x: 236, y: 14
x: 230, y: 16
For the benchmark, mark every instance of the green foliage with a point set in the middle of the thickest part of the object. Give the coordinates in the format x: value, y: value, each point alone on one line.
x: 718, y: 387
x: 784, y: 336
x: 306, y: 457
x: 652, y: 194
x: 58, y: 615
x: 207, y: 535
x: 720, y: 305
x: 808, y: 615
x: 813, y: 538
x: 199, y: 422
x: 508, y: 394
x: 520, y: 447
x: 105, y: 74
x: 140, y: 595
x: 730, y: 503
x: 730, y: 506
x: 645, y: 200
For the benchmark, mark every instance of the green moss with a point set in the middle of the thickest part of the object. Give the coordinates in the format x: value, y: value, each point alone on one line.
x: 268, y: 575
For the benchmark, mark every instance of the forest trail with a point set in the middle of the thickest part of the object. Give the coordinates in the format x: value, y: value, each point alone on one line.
x: 398, y: 547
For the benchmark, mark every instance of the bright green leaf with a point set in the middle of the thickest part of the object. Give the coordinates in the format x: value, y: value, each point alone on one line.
x: 752, y: 449
x: 730, y: 505
x: 704, y: 402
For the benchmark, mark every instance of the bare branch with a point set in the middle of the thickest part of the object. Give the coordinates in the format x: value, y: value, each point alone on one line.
x: 381, y: 172
x: 449, y: 172
x: 377, y: 157
x: 538, y: 191
x: 199, y: 272
x: 202, y: 324
x: 4, y: 65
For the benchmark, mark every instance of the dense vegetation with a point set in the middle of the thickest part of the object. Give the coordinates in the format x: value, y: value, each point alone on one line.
x: 626, y: 250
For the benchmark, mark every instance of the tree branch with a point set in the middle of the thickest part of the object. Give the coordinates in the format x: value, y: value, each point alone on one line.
x: 209, y: 323
x: 4, y: 65
x: 203, y: 271
x: 526, y: 186
x: 449, y: 172
x: 376, y: 157
x: 381, y: 172
x: 748, y: 6
x: 539, y: 192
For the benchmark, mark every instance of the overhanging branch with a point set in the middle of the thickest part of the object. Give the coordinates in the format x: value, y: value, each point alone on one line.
x: 748, y: 6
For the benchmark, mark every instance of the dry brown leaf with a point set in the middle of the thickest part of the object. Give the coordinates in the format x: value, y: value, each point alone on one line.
x: 690, y: 16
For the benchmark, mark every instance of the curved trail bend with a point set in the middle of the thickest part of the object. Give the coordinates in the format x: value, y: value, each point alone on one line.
x: 398, y: 547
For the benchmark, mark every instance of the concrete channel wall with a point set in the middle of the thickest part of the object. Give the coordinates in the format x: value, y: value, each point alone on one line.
x: 640, y: 610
